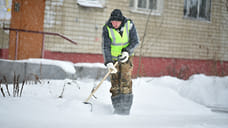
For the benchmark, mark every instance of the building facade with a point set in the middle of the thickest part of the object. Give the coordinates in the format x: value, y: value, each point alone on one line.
x: 177, y: 37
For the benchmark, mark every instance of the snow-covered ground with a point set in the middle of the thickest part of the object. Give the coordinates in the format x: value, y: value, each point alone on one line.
x: 162, y: 102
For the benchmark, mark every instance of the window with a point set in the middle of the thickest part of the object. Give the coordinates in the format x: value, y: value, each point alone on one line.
x: 92, y: 3
x: 197, y: 9
x: 145, y: 6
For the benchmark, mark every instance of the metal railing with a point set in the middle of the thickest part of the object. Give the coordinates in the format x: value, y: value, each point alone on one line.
x: 38, y: 32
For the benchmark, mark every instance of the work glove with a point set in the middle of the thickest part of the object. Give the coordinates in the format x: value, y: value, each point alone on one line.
x: 111, y: 68
x: 124, y: 57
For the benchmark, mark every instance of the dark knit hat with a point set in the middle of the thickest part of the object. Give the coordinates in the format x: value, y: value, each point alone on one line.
x: 116, y: 15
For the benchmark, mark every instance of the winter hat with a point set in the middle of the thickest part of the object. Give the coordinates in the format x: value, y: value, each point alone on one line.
x: 116, y: 15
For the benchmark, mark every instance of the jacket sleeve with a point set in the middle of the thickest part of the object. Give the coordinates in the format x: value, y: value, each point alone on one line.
x: 133, y: 39
x: 106, y: 46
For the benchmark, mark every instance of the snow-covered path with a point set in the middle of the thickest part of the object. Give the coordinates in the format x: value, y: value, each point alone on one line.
x: 157, y: 103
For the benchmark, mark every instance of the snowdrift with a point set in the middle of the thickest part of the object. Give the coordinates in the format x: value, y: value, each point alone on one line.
x: 162, y: 102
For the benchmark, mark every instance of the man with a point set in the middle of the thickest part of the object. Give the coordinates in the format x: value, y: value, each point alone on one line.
x: 119, y: 39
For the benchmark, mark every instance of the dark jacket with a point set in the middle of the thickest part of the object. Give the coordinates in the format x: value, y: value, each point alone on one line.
x: 106, y: 41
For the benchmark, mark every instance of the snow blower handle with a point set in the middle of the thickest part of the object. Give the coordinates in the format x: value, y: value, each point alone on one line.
x: 86, y: 101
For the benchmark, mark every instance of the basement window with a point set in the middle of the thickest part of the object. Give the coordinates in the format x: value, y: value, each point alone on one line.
x: 91, y: 3
x: 197, y: 9
x: 146, y: 6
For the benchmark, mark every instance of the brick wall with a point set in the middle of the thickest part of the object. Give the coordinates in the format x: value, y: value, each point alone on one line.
x: 155, y: 67
x: 173, y: 45
x: 169, y: 34
x: 4, y: 35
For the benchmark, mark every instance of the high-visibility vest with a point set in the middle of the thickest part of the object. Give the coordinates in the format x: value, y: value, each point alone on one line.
x: 118, y: 42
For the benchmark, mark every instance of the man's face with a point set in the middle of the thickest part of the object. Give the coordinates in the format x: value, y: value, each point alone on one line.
x: 116, y: 24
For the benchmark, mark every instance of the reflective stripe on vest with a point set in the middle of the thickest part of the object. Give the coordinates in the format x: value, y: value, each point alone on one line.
x: 118, y: 42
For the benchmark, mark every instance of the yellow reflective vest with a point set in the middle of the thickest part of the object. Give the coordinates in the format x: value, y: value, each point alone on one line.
x: 118, y: 42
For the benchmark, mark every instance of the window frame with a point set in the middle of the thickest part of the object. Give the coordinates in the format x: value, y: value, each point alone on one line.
x: 187, y: 15
x: 134, y: 7
x: 91, y: 3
